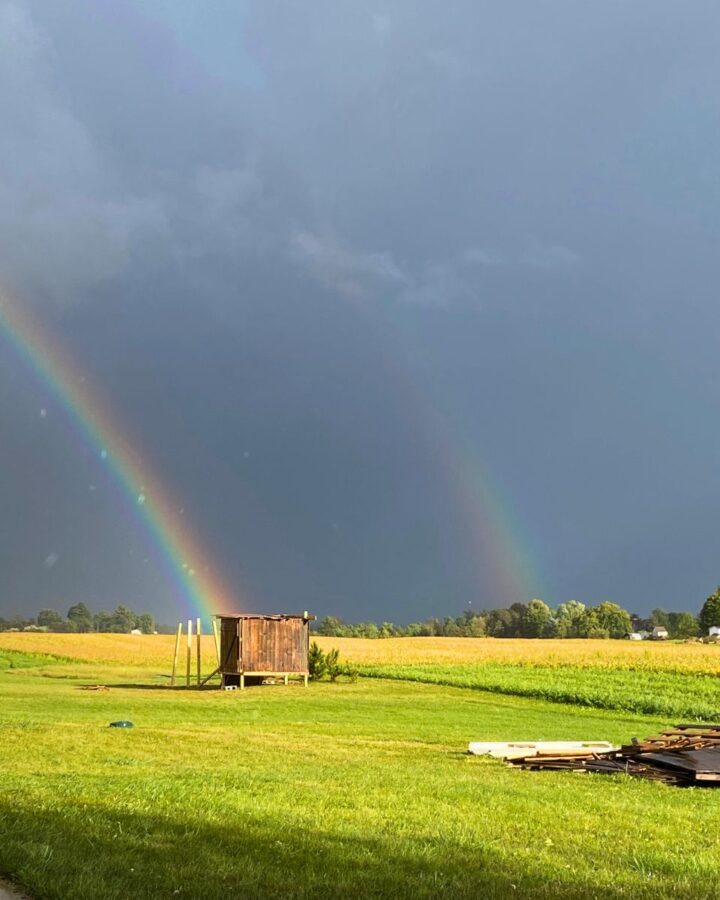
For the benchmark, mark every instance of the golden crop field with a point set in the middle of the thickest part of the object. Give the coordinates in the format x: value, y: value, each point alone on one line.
x: 157, y: 650
x: 125, y: 649
x: 647, y: 655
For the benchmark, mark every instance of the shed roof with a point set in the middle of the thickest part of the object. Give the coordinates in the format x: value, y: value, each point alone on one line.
x: 277, y: 617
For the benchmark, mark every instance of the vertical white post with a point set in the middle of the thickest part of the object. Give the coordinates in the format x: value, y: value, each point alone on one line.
x: 217, y: 640
x: 177, y: 652
x: 189, y: 653
x: 198, y: 636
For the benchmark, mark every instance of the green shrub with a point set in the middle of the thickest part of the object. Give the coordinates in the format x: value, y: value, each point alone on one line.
x: 317, y: 663
x: 332, y: 663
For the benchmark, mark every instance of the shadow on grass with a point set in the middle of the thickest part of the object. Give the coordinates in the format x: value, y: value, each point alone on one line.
x: 211, y: 686
x: 174, y: 688
x: 73, y: 853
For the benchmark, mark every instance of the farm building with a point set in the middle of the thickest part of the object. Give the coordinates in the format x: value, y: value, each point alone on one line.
x: 659, y: 633
x: 253, y: 647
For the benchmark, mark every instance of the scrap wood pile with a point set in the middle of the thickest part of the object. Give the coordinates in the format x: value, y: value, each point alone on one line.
x: 683, y: 755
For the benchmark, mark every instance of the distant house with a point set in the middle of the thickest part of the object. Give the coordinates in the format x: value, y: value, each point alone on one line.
x: 644, y: 635
x: 660, y: 633
x: 136, y: 631
x: 714, y: 629
x: 633, y: 636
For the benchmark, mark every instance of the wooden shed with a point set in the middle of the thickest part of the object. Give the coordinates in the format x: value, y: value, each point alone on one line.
x: 253, y: 647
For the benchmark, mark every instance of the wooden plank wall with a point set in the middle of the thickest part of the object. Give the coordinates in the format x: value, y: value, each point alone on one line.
x: 274, y: 645
x: 229, y: 646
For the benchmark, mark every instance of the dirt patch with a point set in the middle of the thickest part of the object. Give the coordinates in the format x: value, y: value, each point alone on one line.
x: 8, y: 892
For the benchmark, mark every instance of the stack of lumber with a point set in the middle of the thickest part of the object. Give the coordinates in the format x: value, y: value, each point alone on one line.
x: 683, y: 755
x: 545, y: 749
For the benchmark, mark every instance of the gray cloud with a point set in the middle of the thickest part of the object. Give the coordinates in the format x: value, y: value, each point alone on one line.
x: 203, y: 196
x: 57, y: 203
x: 549, y: 256
x: 349, y: 270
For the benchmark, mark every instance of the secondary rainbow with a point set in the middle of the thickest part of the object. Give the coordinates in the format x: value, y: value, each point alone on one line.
x: 195, y: 582
x: 504, y: 564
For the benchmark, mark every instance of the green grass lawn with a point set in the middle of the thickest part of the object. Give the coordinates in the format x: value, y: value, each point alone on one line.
x: 341, y: 790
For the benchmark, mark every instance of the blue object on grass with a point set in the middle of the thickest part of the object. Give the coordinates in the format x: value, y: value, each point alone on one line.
x: 122, y: 724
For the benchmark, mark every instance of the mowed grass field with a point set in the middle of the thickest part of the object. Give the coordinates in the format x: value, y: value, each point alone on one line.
x: 343, y: 790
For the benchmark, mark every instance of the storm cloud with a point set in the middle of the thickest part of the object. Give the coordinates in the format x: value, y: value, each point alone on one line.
x: 333, y: 265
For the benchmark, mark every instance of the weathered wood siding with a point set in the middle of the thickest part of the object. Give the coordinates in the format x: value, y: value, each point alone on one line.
x: 274, y: 645
x: 229, y: 645
x: 256, y: 644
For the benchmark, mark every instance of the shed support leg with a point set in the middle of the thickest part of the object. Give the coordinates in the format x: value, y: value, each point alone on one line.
x: 242, y: 682
x: 305, y: 679
x: 286, y: 678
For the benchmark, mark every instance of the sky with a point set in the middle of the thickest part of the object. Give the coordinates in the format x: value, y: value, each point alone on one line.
x: 411, y: 305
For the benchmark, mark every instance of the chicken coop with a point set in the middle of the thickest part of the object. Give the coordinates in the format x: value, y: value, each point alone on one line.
x: 256, y: 647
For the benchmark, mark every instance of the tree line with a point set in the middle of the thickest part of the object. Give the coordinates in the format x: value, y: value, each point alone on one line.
x: 80, y: 619
x: 536, y: 619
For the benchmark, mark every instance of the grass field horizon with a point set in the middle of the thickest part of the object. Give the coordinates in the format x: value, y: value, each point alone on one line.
x: 663, y: 678
x: 342, y: 789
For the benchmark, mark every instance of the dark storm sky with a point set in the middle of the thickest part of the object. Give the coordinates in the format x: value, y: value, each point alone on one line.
x: 412, y: 304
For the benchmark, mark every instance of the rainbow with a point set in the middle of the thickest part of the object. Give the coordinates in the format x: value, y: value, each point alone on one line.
x: 196, y: 584
x: 505, y: 566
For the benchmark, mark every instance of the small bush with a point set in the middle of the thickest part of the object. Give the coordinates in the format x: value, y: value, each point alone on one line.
x: 317, y: 663
x: 321, y: 664
x: 332, y: 664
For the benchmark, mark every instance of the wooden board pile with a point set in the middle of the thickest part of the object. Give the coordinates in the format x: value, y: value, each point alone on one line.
x: 683, y: 755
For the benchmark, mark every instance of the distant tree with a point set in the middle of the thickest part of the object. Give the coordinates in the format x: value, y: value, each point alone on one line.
x: 570, y: 618
x: 516, y: 627
x: 475, y: 626
x: 81, y: 617
x: 450, y: 628
x: 658, y: 617
x: 710, y: 612
x: 103, y: 622
x: 535, y: 618
x: 330, y: 626
x: 145, y: 623
x: 123, y: 620
x: 498, y: 622
x: 683, y: 625
x: 18, y: 623
x: 50, y: 619
x: 613, y: 619
x: 591, y: 626
x: 641, y: 624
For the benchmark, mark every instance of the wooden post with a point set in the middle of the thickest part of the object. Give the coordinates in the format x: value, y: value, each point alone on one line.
x: 217, y: 640
x: 198, y: 637
x: 177, y: 652
x: 189, y: 653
